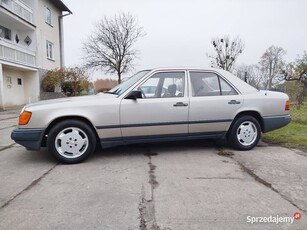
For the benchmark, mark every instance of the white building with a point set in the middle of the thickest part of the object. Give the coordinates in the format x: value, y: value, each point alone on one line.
x: 31, y: 41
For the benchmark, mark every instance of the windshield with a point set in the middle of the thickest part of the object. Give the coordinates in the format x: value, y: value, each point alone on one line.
x: 121, y: 88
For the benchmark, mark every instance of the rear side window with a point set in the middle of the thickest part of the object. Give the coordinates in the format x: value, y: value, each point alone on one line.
x: 226, y: 89
x: 209, y: 84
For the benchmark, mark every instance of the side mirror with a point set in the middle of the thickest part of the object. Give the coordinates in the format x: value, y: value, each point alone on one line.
x: 135, y: 94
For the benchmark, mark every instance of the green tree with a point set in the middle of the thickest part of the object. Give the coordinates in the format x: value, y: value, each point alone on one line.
x: 71, y: 80
x: 53, y: 78
x: 77, y: 80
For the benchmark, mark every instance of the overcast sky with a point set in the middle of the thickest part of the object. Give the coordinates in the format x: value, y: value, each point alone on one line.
x: 179, y: 31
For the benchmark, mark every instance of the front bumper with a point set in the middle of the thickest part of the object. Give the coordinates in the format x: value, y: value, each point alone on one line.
x: 275, y: 122
x: 29, y: 138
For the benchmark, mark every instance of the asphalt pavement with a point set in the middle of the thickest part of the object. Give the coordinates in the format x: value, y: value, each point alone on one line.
x: 187, y: 185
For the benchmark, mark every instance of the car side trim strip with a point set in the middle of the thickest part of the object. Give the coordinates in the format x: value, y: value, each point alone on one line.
x: 210, y: 121
x: 161, y: 124
x: 115, y: 141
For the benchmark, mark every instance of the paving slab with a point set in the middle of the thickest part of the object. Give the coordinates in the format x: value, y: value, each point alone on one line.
x: 8, y: 124
x: 19, y: 168
x: 197, y: 189
x: 284, y: 170
x: 5, y: 137
x: 193, y: 185
x: 102, y: 193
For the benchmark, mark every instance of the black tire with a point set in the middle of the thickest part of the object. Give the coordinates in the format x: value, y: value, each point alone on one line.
x: 244, y: 133
x: 71, y: 141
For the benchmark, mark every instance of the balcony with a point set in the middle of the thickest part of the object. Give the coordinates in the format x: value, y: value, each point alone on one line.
x: 17, y: 54
x: 19, y: 8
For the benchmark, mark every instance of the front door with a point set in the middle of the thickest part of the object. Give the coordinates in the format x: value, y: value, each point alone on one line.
x: 161, y: 113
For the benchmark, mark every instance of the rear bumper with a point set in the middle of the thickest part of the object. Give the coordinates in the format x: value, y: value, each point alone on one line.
x: 275, y: 122
x: 29, y: 138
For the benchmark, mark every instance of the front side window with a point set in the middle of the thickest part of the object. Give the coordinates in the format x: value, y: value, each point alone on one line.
x: 124, y: 86
x: 159, y: 85
x: 48, y: 16
x: 209, y: 84
x: 49, y: 50
x: 5, y: 33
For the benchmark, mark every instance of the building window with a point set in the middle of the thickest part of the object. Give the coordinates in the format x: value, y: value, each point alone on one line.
x: 48, y: 16
x: 49, y: 50
x: 19, y: 81
x: 5, y: 33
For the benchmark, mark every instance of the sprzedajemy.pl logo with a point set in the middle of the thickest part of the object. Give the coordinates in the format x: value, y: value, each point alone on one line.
x: 273, y: 219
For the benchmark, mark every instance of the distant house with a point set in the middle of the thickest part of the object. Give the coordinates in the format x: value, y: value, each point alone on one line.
x: 31, y: 42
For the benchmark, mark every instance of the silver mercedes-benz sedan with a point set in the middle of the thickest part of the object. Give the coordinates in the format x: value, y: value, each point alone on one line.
x: 152, y: 106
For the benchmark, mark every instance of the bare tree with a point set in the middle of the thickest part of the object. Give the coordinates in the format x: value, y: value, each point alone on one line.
x: 226, y: 52
x: 296, y: 73
x: 272, y: 62
x: 252, y: 74
x: 111, y: 47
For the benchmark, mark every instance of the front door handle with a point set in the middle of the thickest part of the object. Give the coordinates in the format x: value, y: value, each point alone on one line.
x: 180, y: 104
x: 234, y: 102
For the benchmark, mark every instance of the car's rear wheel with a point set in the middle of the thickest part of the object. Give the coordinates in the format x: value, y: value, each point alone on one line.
x: 71, y: 141
x: 244, y: 133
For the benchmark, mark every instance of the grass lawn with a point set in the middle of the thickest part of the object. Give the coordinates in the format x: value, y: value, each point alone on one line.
x: 293, y: 135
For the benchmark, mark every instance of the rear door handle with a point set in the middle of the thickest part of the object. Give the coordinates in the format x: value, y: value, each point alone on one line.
x: 180, y: 104
x: 234, y: 102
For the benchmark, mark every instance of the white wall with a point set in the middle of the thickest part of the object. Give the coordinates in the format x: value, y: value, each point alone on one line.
x: 46, y: 32
x: 22, y: 34
x: 1, y: 87
x: 15, y: 94
x: 31, y: 87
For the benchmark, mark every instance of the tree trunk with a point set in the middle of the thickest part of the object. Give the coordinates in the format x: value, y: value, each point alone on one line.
x: 270, y: 76
x: 119, y: 77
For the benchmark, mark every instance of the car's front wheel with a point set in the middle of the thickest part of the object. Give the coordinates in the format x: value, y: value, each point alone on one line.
x: 71, y: 141
x: 245, y: 133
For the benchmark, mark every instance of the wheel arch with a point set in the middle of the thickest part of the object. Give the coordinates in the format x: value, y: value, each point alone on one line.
x: 59, y: 119
x: 252, y: 113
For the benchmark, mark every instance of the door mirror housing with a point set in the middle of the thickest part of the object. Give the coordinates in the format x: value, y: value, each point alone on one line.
x: 135, y: 94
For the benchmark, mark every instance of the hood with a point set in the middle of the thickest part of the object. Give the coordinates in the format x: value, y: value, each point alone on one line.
x: 100, y: 96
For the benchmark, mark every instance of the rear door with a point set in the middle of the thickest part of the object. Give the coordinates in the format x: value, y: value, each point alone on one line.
x: 213, y: 103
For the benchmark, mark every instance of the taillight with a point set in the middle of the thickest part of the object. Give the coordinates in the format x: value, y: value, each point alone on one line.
x: 24, y: 118
x: 287, y: 105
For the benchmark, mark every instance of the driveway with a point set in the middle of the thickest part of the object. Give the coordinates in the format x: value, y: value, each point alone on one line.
x: 187, y: 185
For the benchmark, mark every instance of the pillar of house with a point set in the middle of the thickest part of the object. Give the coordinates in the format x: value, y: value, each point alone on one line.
x: 1, y: 88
